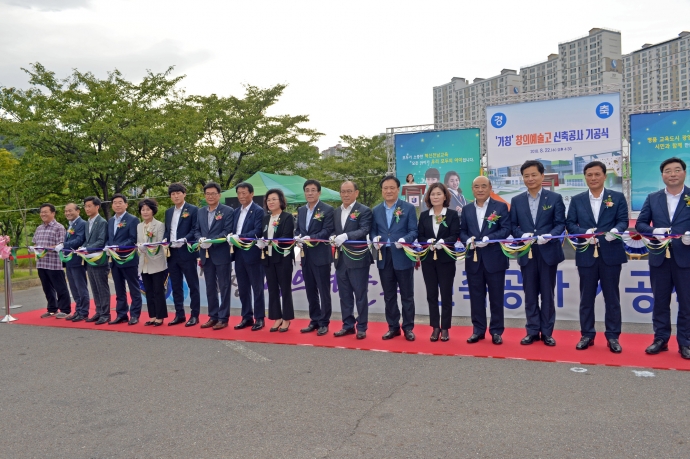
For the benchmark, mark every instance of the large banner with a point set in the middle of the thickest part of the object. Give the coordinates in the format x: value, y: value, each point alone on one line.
x: 451, y: 157
x: 563, y: 134
x: 655, y: 137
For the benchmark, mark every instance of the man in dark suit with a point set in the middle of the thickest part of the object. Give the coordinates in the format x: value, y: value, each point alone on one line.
x: 180, y: 221
x: 599, y: 211
x: 394, y: 222
x: 248, y: 268
x: 352, y: 222
x: 485, y: 264
x: 122, y: 231
x: 315, y: 221
x: 538, y: 213
x: 96, y: 236
x: 76, y: 272
x: 215, y: 221
x: 669, y: 211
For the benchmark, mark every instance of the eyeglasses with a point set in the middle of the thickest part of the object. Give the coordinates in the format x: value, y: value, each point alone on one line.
x: 211, y: 194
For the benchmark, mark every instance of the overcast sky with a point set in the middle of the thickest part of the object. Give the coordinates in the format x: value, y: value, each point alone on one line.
x: 355, y: 67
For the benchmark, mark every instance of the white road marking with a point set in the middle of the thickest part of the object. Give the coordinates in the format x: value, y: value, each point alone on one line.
x: 248, y: 353
x: 578, y: 370
x: 644, y: 374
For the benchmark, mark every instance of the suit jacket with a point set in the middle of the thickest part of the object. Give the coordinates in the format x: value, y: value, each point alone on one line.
x: 251, y: 228
x: 321, y: 254
x: 655, y: 212
x: 220, y: 227
x: 126, y: 236
x: 580, y: 219
x: 550, y: 220
x: 491, y: 256
x: 405, y: 228
x: 357, y: 229
x: 97, y: 237
x: 74, y: 241
x: 449, y: 233
x: 151, y: 264
x: 284, y: 230
x: 185, y: 228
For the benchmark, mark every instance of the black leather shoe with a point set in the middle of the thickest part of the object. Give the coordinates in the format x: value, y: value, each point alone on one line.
x: 308, y: 329
x: 243, y: 324
x: 657, y: 346
x: 434, y: 335
x: 158, y: 324
x: 409, y: 335
x: 361, y: 334
x: 191, y: 322
x: 548, y: 340
x: 118, y: 320
x: 344, y: 331
x: 258, y: 325
x: 102, y: 320
x: 133, y: 321
x: 93, y: 318
x: 614, y: 346
x: 177, y: 320
x: 584, y: 343
x: 496, y: 339
x: 474, y: 338
x: 390, y: 334
x: 322, y: 331
x: 444, y: 335
x: 529, y: 339
x: 685, y: 352
x: 78, y: 318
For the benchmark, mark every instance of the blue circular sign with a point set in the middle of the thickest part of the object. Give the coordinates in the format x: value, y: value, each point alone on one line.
x: 498, y: 120
x: 614, y: 64
x: 516, y: 90
x: 604, y: 110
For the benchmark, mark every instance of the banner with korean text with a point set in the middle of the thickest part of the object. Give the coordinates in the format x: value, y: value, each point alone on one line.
x: 563, y: 134
x: 655, y: 137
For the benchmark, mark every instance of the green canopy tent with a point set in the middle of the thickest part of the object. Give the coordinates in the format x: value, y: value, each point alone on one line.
x: 290, y: 185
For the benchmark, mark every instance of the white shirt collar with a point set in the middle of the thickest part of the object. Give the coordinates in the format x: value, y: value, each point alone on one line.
x: 342, y: 206
x: 538, y: 193
x: 177, y: 209
x: 591, y: 196
x: 432, y: 214
x: 673, y: 195
x: 485, y: 203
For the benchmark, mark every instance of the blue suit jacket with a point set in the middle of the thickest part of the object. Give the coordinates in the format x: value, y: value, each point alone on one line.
x: 357, y: 230
x: 252, y: 228
x: 74, y: 241
x: 491, y: 256
x: 405, y: 228
x: 580, y: 219
x: 550, y: 220
x: 320, y: 254
x: 220, y: 227
x: 655, y: 212
x: 125, y: 237
x: 185, y: 228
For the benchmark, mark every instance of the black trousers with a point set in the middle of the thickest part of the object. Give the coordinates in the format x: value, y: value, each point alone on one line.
x: 392, y: 280
x: 478, y: 283
x: 317, y: 283
x: 123, y: 278
x: 98, y: 279
x: 55, y: 289
x: 664, y: 278
x: 353, y: 286
x: 438, y: 277
x: 177, y: 267
x: 539, y: 281
x: 218, y: 281
x: 154, y: 284
x: 590, y: 278
x: 279, y: 280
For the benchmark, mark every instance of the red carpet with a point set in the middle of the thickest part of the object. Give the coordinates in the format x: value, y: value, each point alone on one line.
x: 633, y: 344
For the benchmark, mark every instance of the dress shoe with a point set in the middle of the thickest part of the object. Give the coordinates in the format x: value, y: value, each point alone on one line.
x: 148, y: 323
x: 434, y: 335
x: 220, y: 325
x: 275, y: 328
x: 78, y: 318
x: 584, y: 343
x: 657, y: 346
x: 286, y: 327
x: 444, y: 335
x: 102, y: 320
x: 614, y: 346
x: 209, y: 324
x: 133, y: 321
x: 548, y: 340
x: 177, y: 320
x: 158, y: 324
x: 93, y: 318
x: 191, y: 322
x: 47, y: 315
x: 118, y: 320
x: 361, y: 334
x: 308, y: 329
x: 391, y: 334
x: 685, y: 352
x: 409, y: 335
x: 71, y: 316
x: 322, y: 331
x: 244, y: 324
x: 474, y: 338
x: 529, y: 339
x: 344, y: 331
x: 258, y: 325
x: 497, y: 339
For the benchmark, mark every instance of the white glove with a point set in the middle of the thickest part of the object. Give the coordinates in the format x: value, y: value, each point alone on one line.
x: 112, y: 247
x: 686, y: 238
x: 340, y: 239
x: 234, y: 237
x: 458, y: 246
x: 610, y: 235
x: 59, y: 247
x: 306, y: 238
x: 483, y: 243
x: 81, y: 249
x: 399, y: 243
x: 140, y: 247
x: 31, y: 249
x: 439, y: 244
x: 203, y: 244
x: 376, y: 241
x: 541, y: 240
x: 469, y: 242
x: 416, y: 244
x: 659, y: 232
x: 430, y: 241
x: 592, y: 240
x: 526, y: 235
x: 261, y: 244
x: 178, y: 243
